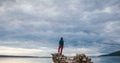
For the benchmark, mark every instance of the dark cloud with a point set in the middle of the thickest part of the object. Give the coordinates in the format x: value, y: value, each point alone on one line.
x: 7, y: 2
x: 82, y: 23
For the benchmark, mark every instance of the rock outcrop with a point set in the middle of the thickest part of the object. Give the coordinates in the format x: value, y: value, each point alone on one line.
x: 79, y: 58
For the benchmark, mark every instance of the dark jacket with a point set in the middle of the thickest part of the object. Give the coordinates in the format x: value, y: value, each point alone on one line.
x: 61, y: 42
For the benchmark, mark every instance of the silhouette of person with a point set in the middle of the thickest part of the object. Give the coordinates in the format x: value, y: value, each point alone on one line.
x: 61, y: 44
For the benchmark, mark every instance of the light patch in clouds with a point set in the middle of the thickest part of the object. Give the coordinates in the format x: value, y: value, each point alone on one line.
x: 43, y: 51
x: 18, y: 51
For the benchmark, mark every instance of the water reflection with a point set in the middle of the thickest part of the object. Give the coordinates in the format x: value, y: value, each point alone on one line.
x: 25, y: 60
x: 49, y: 60
x: 107, y: 59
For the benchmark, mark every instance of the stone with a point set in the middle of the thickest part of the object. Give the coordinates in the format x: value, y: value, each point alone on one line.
x: 79, y: 58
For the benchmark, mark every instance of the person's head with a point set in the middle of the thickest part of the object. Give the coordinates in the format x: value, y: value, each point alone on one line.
x: 61, y: 38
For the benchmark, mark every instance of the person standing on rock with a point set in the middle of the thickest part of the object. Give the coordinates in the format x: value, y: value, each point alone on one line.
x: 61, y: 44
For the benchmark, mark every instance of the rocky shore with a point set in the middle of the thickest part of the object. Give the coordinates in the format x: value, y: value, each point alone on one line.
x: 79, y: 58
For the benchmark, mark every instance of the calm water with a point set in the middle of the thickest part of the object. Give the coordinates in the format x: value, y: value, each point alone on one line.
x: 48, y: 60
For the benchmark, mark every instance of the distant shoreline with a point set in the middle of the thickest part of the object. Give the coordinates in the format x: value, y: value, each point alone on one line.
x: 13, y: 56
x: 117, y: 53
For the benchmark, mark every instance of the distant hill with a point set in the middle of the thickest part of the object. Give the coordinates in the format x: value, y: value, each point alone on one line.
x: 117, y: 53
x: 22, y: 56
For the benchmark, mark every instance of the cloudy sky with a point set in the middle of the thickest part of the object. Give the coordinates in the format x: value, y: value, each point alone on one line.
x: 33, y: 27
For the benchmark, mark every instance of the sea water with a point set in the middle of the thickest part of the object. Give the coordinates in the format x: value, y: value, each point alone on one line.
x: 105, y: 59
